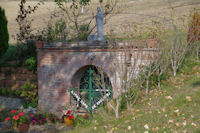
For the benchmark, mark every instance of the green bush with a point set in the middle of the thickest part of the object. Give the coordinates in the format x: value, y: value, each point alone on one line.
x: 7, y: 92
x: 10, y: 54
x: 56, y: 31
x: 4, y: 91
x: 31, y: 63
x: 4, y: 36
x: 29, y: 94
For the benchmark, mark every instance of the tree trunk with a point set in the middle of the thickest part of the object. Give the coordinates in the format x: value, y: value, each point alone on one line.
x: 128, y: 104
x: 197, y: 52
x: 117, y: 107
x: 174, y: 69
x: 159, y: 82
x: 147, y: 86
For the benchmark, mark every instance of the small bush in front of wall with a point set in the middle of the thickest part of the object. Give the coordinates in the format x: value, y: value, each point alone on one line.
x: 7, y: 92
x: 56, y: 31
x: 31, y: 63
x: 28, y: 92
x: 9, y: 55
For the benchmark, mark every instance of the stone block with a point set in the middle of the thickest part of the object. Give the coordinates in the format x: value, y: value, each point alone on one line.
x: 10, y: 103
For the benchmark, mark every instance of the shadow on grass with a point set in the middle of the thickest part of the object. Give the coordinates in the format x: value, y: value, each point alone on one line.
x: 196, y: 84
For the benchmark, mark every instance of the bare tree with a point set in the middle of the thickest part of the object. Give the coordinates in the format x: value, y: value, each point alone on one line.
x: 178, y: 50
x: 129, y: 64
x: 163, y: 63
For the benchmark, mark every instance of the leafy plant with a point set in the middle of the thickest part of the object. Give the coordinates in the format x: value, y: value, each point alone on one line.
x: 31, y: 63
x: 43, y: 118
x: 7, y: 92
x: 57, y: 31
x: 4, y: 91
x: 4, y: 36
x: 18, y: 117
x: 29, y: 93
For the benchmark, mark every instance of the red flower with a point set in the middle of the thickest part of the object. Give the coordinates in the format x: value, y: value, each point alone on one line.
x: 69, y: 112
x: 16, y: 117
x: 31, y: 115
x: 70, y: 117
x: 21, y: 113
x: 8, y: 118
x: 85, y: 116
x: 13, y: 111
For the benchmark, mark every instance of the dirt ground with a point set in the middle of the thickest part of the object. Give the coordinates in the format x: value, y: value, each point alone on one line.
x: 132, y: 12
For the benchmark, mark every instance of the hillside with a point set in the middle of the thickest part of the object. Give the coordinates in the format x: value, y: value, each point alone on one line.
x: 134, y: 12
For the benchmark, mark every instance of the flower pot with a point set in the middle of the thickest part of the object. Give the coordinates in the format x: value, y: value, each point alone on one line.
x: 67, y: 121
x: 39, y: 45
x: 23, y: 128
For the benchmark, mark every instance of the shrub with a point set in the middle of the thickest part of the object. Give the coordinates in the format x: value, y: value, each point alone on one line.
x: 43, y: 118
x: 4, y: 36
x: 31, y: 63
x: 10, y: 54
x: 56, y: 31
x: 28, y: 93
x: 194, y: 28
x: 7, y: 92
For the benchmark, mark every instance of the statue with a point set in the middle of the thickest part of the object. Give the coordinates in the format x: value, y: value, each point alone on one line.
x: 100, y: 23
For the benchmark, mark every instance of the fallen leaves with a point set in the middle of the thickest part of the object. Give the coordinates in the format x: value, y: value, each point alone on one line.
x: 188, y: 98
x: 168, y: 97
x: 170, y: 121
x: 184, y: 123
x: 129, y: 128
x: 176, y: 111
x: 195, y: 125
x: 146, y: 126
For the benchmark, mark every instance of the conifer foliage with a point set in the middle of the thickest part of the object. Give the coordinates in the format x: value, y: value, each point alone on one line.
x: 4, y: 36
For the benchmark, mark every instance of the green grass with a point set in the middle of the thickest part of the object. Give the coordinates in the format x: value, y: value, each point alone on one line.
x: 179, y: 114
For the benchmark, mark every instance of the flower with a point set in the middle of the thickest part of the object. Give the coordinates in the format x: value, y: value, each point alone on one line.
x: 85, y: 116
x: 70, y: 117
x: 69, y: 112
x: 16, y: 117
x: 8, y: 118
x: 21, y: 114
x: 31, y: 115
x: 13, y: 111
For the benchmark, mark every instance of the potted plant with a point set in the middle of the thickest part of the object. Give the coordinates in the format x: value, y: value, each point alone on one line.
x: 68, y: 118
x: 19, y: 120
x: 23, y: 123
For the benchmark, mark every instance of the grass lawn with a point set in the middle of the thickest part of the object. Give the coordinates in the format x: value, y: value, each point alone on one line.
x: 176, y: 108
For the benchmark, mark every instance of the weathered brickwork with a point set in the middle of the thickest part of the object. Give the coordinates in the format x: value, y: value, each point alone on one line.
x: 61, y: 67
x: 14, y: 78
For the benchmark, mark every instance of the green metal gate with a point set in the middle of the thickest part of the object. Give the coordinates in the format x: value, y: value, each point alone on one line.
x: 95, y: 88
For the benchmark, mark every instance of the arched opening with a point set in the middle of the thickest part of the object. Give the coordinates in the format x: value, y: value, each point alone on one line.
x: 92, y: 85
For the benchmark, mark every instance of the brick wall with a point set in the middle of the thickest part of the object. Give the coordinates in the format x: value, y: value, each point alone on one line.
x: 60, y: 67
x: 14, y: 78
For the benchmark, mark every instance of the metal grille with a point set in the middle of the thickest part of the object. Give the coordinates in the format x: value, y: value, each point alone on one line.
x: 95, y: 88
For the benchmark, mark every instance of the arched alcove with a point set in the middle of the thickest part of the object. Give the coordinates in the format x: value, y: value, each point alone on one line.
x: 92, y: 84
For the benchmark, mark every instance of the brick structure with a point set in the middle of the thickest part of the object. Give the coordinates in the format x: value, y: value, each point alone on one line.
x: 61, y: 65
x: 14, y: 78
